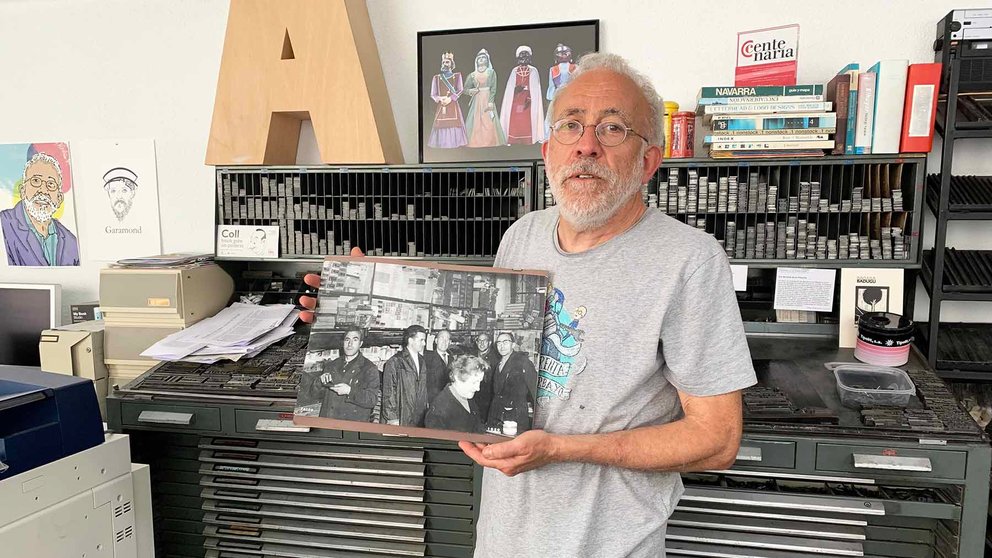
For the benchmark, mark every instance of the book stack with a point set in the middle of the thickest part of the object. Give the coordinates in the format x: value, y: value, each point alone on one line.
x: 767, y: 121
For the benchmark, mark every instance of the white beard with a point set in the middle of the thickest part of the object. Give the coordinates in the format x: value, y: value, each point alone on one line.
x: 590, y: 210
x: 44, y: 214
x: 121, y: 208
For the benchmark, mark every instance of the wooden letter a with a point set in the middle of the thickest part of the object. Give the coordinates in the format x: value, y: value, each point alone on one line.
x: 288, y: 60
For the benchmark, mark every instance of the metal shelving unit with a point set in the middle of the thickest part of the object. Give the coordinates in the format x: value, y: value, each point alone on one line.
x: 868, y: 206
x: 960, y: 351
x: 439, y: 212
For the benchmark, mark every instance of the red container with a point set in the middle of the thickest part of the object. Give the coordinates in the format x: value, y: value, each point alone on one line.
x: 683, y: 134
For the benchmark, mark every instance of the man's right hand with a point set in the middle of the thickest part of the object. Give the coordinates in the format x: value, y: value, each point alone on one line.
x: 312, y: 279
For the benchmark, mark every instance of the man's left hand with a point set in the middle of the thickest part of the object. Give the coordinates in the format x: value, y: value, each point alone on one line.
x: 530, y: 450
x: 341, y: 389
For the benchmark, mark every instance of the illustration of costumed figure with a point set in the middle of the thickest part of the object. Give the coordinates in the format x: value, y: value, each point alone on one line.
x: 558, y: 76
x: 522, y: 113
x: 448, y: 129
x: 484, y: 127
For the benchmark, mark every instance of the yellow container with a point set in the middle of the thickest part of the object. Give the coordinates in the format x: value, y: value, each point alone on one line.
x: 671, y: 107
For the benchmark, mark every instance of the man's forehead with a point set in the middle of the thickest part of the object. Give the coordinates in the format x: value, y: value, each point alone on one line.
x: 41, y: 167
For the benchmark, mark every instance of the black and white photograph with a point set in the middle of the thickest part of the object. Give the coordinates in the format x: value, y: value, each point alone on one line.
x: 485, y: 92
x: 423, y: 349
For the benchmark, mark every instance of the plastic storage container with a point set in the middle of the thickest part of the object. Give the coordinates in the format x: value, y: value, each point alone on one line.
x: 864, y: 385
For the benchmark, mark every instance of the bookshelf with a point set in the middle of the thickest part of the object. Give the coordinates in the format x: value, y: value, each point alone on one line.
x: 957, y: 351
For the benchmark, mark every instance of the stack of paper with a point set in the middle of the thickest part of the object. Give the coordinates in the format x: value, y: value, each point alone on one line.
x: 238, y: 331
x: 165, y: 260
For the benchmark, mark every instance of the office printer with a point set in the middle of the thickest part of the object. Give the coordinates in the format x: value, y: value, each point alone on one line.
x: 44, y: 417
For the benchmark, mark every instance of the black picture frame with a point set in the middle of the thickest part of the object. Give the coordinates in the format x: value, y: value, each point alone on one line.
x: 476, y: 144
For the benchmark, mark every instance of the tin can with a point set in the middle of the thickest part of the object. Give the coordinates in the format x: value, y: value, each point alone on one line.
x: 683, y: 134
x: 671, y: 107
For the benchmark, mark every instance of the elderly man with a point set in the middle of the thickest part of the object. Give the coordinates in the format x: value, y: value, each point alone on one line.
x: 664, y: 355
x: 31, y: 233
x: 438, y: 363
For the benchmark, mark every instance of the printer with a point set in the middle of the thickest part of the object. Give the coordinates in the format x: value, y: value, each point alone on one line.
x: 44, y: 417
x: 966, y: 35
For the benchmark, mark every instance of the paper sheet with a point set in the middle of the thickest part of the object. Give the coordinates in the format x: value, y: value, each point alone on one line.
x: 231, y: 330
x: 804, y: 289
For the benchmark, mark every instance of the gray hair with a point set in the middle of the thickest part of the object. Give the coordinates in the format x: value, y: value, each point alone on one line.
x: 43, y: 158
x: 619, y: 65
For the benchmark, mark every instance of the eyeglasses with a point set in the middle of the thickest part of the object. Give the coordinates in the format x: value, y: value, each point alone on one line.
x: 37, y: 181
x: 610, y: 134
x: 502, y: 341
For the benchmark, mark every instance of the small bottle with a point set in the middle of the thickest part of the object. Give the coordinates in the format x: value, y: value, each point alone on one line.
x: 671, y: 107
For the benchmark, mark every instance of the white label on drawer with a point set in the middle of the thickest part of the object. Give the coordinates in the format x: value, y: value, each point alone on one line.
x: 276, y: 425
x: 930, y: 442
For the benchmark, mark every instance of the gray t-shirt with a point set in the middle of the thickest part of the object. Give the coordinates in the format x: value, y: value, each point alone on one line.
x: 627, y: 323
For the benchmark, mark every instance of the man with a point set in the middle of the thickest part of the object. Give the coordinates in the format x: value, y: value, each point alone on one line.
x: 438, y: 364
x: 522, y: 111
x: 485, y: 350
x: 31, y: 233
x: 448, y: 129
x: 347, y: 387
x: 513, y: 385
x: 257, y: 242
x: 662, y: 343
x: 120, y: 184
x: 404, y: 381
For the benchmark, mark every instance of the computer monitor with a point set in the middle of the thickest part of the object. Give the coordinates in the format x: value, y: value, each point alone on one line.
x: 26, y: 311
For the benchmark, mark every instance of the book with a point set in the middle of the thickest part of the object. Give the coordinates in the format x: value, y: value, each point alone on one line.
x: 866, y: 113
x: 852, y: 107
x: 759, y: 108
x: 838, y: 91
x: 769, y: 145
x: 765, y: 137
x: 890, y: 93
x: 920, y: 108
x: 760, y: 91
x: 423, y: 349
x: 774, y: 121
x: 706, y: 101
x: 769, y: 133
x: 769, y: 154
x: 867, y: 290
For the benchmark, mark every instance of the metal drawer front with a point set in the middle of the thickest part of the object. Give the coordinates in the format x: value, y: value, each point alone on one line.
x: 905, y: 462
x: 290, y: 512
x: 254, y: 536
x: 312, y: 464
x: 766, y: 526
x: 226, y: 549
x: 258, y: 422
x: 171, y: 416
x: 683, y: 548
x: 236, y: 519
x: 313, y: 477
x: 766, y: 453
x: 772, y: 542
x: 227, y: 482
x: 327, y: 451
x: 784, y: 501
x: 304, y: 502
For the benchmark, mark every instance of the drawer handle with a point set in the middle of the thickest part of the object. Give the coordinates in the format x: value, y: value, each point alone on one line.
x: 166, y: 417
x: 747, y: 453
x: 3, y: 467
x: 274, y: 425
x: 892, y: 462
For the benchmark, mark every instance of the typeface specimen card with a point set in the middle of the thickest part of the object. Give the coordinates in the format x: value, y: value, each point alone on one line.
x: 865, y: 290
x: 804, y: 289
x: 248, y: 241
x: 767, y: 56
x: 118, y: 198
x: 423, y: 349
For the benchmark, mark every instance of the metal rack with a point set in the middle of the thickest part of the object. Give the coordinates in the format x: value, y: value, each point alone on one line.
x: 437, y: 212
x: 957, y: 350
x: 824, y: 212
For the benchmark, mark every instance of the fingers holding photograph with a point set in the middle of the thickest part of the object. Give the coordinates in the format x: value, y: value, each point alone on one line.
x: 425, y: 350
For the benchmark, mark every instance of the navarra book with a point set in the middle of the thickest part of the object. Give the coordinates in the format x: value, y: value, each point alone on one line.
x: 768, y: 121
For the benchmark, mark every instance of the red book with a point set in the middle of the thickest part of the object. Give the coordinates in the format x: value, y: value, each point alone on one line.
x: 920, y: 108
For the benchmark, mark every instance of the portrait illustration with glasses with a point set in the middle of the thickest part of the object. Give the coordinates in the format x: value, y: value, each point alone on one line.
x: 36, y: 188
x: 424, y: 349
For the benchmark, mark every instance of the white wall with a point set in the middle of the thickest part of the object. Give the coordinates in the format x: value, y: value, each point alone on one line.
x: 148, y: 68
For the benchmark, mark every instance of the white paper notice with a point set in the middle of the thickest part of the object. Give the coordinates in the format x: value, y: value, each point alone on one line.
x: 805, y: 289
x: 740, y: 277
x: 248, y: 241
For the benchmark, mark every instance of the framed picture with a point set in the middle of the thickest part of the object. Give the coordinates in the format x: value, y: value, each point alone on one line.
x: 484, y: 93
x: 422, y: 349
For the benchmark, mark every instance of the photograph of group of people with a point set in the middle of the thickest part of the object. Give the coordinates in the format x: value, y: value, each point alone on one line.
x: 419, y: 347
